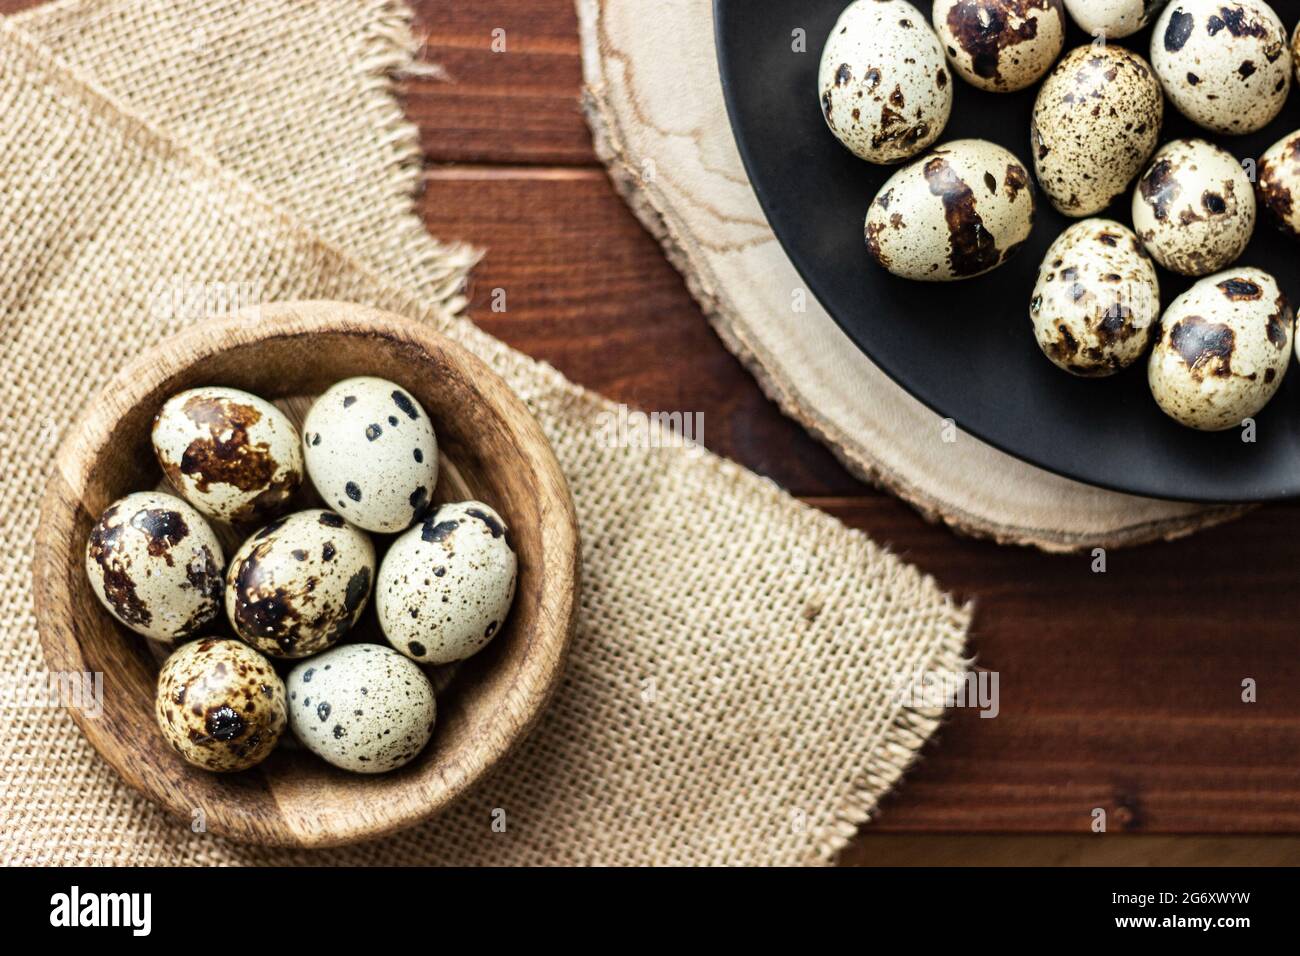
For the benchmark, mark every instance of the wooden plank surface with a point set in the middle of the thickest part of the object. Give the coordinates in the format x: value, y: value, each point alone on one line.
x: 888, y: 849
x: 511, y: 72
x: 1119, y: 691
x: 588, y: 290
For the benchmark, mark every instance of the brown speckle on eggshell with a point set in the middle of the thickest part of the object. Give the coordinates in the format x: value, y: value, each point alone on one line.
x: 1278, y: 182
x: 298, y: 585
x: 1097, y: 299
x: 1000, y: 45
x: 960, y: 211
x: 1194, y: 208
x: 884, y: 87
x: 220, y: 704
x: 156, y: 565
x: 1225, y: 65
x: 1224, y: 348
x: 1095, y: 124
x: 234, y: 456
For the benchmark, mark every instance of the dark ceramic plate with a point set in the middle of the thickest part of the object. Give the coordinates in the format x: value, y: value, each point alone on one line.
x: 967, y: 349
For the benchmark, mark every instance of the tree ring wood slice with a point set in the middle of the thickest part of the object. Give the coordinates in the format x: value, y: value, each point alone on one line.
x: 654, y: 102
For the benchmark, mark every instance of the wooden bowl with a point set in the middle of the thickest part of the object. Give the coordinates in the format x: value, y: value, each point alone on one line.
x: 492, y: 449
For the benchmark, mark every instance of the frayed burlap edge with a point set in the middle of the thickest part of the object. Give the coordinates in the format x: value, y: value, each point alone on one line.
x: 649, y: 207
x: 897, y: 752
x: 390, y: 58
x: 909, y: 728
x: 393, y: 58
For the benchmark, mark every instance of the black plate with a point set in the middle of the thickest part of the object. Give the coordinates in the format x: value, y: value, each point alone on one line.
x: 967, y: 349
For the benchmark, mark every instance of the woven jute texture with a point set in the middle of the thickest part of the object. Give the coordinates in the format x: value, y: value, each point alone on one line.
x: 730, y: 696
x: 655, y: 104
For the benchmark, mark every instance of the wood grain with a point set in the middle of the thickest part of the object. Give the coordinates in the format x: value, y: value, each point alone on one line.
x: 883, y: 849
x: 590, y: 293
x: 510, y: 69
x: 491, y: 441
x: 586, y: 289
x: 1119, y: 690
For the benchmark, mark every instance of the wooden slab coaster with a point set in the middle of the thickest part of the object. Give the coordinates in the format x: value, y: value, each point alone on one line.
x: 654, y: 103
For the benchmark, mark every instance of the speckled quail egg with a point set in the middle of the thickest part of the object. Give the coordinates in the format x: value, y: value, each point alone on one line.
x: 1095, y: 124
x: 885, y: 89
x: 1224, y: 347
x: 299, y: 584
x: 1278, y: 183
x: 371, y: 453
x: 156, y: 565
x: 959, y: 211
x: 1097, y: 300
x: 219, y: 704
x: 361, y: 707
x: 1194, y: 209
x: 445, y: 587
x: 1000, y: 45
x: 232, y: 455
x: 1112, y: 18
x: 1225, y: 65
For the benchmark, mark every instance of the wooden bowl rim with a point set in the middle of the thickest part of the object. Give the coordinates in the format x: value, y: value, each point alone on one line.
x: 92, y: 430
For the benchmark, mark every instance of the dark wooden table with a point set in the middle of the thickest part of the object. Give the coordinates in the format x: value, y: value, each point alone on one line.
x: 1120, y: 690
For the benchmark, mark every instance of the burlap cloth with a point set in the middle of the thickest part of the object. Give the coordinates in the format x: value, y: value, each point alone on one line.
x: 655, y: 104
x: 730, y: 693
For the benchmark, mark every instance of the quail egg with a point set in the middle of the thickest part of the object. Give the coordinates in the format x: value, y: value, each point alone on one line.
x: 232, y: 455
x: 1194, y: 209
x: 1278, y: 182
x: 1000, y: 45
x: 299, y: 584
x: 1223, y: 350
x: 1112, y: 18
x: 361, y: 707
x: 371, y: 453
x: 961, y: 210
x: 156, y: 565
x: 885, y: 89
x: 1097, y: 299
x: 1226, y: 66
x: 445, y: 587
x: 219, y: 704
x: 1095, y: 124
